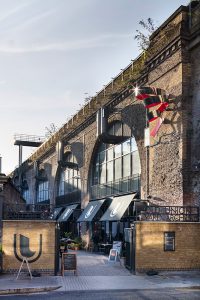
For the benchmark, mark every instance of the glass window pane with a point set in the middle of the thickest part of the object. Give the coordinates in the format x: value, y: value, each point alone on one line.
x: 118, y: 150
x: 126, y: 147
x: 61, y: 188
x: 71, y: 185
x: 75, y: 173
x: 133, y: 144
x: 69, y: 157
x: 102, y: 170
x: 169, y: 241
x: 136, y: 168
x: 43, y: 191
x: 70, y: 172
x: 96, y: 175
x: 66, y: 175
x: 79, y: 184
x: 126, y: 165
x: 102, y: 147
x: 110, y: 171
x: 96, y: 161
x: 102, y: 157
x: 110, y: 154
x: 118, y: 168
x: 67, y: 187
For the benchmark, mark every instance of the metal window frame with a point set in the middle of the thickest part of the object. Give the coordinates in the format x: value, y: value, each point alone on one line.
x: 173, y: 237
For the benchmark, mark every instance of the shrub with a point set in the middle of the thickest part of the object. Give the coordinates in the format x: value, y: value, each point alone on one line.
x: 68, y: 235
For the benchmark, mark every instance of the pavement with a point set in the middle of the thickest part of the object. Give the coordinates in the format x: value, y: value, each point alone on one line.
x: 95, y: 272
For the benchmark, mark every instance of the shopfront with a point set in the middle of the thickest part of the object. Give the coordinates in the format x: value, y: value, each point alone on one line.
x: 118, y: 216
x: 92, y: 215
x: 68, y: 220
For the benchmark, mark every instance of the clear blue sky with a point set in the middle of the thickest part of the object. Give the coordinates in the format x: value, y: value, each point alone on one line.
x: 52, y: 52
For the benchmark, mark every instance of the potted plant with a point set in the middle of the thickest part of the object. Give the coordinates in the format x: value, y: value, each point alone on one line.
x: 67, y: 235
x: 74, y: 246
x: 78, y: 242
x: 63, y: 247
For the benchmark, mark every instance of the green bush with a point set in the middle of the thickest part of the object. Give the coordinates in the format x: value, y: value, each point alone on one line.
x: 68, y: 235
x: 77, y: 240
x: 72, y: 246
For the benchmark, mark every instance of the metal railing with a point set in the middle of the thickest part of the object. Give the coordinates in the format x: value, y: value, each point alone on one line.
x: 113, y: 188
x: 29, y: 138
x: 24, y: 211
x: 69, y: 198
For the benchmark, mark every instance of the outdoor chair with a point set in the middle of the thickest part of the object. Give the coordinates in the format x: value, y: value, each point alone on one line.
x: 90, y: 247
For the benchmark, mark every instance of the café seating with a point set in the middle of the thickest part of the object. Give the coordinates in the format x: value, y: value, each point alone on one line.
x: 105, y: 248
x: 90, y: 247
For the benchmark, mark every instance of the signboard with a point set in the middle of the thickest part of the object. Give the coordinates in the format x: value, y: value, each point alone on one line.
x: 34, y: 241
x: 117, y: 245
x: 114, y: 255
x: 69, y: 262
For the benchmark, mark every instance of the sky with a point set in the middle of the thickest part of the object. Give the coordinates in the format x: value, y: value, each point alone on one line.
x: 56, y: 53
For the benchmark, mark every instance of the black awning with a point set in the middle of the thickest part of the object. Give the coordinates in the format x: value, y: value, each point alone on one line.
x: 117, y: 208
x: 67, y: 213
x: 56, y: 212
x: 91, y: 210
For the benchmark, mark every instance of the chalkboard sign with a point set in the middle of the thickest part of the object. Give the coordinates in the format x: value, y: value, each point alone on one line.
x: 114, y: 255
x: 69, y: 262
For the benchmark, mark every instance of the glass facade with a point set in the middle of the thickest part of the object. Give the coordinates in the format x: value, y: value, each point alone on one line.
x: 116, y: 168
x: 27, y: 196
x: 43, y: 191
x: 69, y: 180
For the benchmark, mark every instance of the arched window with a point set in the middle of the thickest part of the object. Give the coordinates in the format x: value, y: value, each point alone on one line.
x: 116, y: 168
x: 69, y: 180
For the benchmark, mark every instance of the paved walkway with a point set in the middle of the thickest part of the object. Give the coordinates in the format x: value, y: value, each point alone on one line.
x: 96, y: 273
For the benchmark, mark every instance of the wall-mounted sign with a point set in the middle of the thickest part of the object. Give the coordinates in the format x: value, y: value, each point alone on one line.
x: 25, y: 250
x: 31, y: 241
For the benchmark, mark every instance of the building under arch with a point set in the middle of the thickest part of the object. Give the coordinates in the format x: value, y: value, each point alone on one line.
x: 99, y: 156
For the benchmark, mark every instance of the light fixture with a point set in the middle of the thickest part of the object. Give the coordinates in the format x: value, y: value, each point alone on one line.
x: 136, y: 90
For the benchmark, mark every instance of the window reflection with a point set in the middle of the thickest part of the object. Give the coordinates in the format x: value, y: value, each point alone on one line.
x: 116, y: 162
x: 69, y: 180
x: 27, y: 195
x: 43, y: 191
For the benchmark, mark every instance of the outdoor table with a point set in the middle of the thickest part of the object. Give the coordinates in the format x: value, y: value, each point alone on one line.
x: 106, y: 247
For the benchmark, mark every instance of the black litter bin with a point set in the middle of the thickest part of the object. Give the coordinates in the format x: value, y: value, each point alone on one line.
x: 129, y: 237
